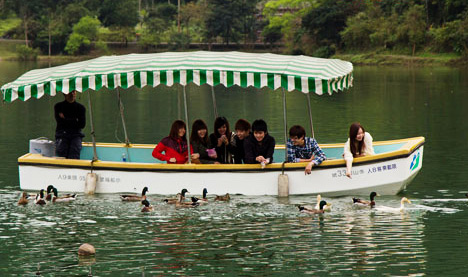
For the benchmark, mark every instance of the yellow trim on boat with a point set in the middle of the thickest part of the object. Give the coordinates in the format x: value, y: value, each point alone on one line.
x: 410, y: 145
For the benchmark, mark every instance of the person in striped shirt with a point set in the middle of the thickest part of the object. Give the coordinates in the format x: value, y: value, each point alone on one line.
x: 303, y: 149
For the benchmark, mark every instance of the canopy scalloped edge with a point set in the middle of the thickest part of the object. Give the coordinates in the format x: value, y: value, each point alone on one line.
x: 142, y: 78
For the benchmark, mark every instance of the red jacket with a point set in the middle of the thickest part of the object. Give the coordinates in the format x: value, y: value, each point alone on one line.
x: 172, y: 148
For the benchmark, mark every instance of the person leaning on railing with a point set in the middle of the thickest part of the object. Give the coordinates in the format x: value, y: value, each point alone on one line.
x: 359, y: 144
x: 303, y: 149
x: 174, y: 146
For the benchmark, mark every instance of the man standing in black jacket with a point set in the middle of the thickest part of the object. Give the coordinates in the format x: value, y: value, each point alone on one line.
x: 71, y: 119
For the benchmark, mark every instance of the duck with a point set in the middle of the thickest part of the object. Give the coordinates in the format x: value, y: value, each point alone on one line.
x: 201, y: 200
x: 147, y: 208
x: 181, y: 202
x: 175, y: 200
x: 320, y: 210
x: 65, y: 198
x: 370, y: 203
x: 402, y: 203
x: 133, y: 197
x: 225, y: 197
x: 23, y: 199
x: 40, y: 198
x: 49, y: 192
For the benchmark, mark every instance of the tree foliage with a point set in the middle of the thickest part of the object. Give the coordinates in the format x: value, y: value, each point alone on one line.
x: 84, y: 32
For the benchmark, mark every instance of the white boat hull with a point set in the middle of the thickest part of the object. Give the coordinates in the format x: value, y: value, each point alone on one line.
x: 387, y: 176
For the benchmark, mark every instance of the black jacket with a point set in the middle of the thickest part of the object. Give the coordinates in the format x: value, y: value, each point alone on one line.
x: 254, y: 148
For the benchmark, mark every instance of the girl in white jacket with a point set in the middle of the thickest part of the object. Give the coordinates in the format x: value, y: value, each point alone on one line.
x: 359, y: 144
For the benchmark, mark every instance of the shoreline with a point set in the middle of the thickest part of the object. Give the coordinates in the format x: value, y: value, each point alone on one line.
x: 356, y: 59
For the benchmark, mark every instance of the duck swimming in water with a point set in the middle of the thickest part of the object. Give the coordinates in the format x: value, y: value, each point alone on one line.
x: 133, y: 197
x: 182, y: 203
x: 175, y: 200
x: 147, y: 208
x: 201, y: 200
x: 225, y: 197
x: 49, y: 193
x: 65, y: 198
x: 305, y: 209
x: 40, y: 198
x: 370, y: 203
x: 23, y: 199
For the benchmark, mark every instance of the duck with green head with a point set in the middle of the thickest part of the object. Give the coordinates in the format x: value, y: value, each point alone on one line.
x: 65, y: 198
x: 370, y: 203
x: 50, y: 188
x: 147, y: 206
x: 175, y: 200
x: 40, y: 198
x: 201, y: 200
x: 322, y: 205
x: 133, y: 197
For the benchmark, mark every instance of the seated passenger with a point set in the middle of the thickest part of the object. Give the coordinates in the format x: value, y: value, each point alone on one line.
x: 200, y: 144
x: 221, y: 140
x: 242, y: 131
x: 303, y: 149
x: 174, y: 146
x: 259, y: 146
x: 359, y: 144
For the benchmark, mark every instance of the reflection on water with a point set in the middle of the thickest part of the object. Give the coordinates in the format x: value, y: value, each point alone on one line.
x: 247, y: 235
x: 252, y: 236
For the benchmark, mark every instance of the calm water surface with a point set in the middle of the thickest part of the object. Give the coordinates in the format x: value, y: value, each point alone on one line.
x: 252, y: 235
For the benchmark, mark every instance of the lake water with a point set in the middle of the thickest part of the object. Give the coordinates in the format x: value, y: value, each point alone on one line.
x: 252, y: 235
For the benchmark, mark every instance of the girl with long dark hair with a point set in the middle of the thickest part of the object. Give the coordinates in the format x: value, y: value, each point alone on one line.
x: 174, y: 146
x: 201, y: 145
x: 221, y: 140
x: 359, y: 144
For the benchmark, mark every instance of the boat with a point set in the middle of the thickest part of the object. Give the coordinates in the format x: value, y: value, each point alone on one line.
x: 395, y: 165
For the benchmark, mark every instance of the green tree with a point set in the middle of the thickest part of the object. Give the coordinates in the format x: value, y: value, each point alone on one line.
x: 84, y: 32
x: 223, y: 20
x: 120, y: 15
x: 412, y: 29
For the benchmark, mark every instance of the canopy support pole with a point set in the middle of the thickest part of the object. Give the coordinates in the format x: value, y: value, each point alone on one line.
x: 93, y: 136
x: 187, y: 133
x: 285, y: 123
x: 121, y: 108
x: 310, y: 115
x: 215, y: 110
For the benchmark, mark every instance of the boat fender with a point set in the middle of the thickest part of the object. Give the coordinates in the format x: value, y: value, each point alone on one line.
x: 90, y: 183
x: 283, y: 184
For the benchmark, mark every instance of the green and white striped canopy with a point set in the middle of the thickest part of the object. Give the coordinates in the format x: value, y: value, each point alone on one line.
x: 300, y: 73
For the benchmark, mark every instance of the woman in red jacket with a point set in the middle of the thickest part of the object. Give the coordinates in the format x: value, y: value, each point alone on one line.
x: 174, y: 146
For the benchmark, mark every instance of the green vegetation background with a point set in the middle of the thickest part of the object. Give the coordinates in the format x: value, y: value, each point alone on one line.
x: 362, y: 31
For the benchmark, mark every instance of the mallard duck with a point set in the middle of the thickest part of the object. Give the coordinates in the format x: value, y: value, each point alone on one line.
x: 320, y: 210
x: 49, y: 192
x: 174, y: 200
x: 225, y: 197
x: 182, y: 203
x: 147, y: 208
x: 65, y: 198
x: 23, y: 199
x: 201, y: 200
x: 40, y: 198
x: 133, y: 197
x: 370, y: 203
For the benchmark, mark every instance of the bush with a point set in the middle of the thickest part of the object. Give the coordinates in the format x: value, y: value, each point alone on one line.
x: 179, y: 41
x: 26, y: 53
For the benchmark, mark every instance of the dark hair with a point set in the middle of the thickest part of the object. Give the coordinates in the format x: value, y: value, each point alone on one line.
x: 259, y: 125
x: 297, y: 131
x: 242, y: 125
x: 174, y: 133
x: 194, y: 137
x: 219, y: 122
x: 353, y: 131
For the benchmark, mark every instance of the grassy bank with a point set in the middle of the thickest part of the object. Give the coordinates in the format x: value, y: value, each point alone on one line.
x: 7, y: 52
x: 424, y: 59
